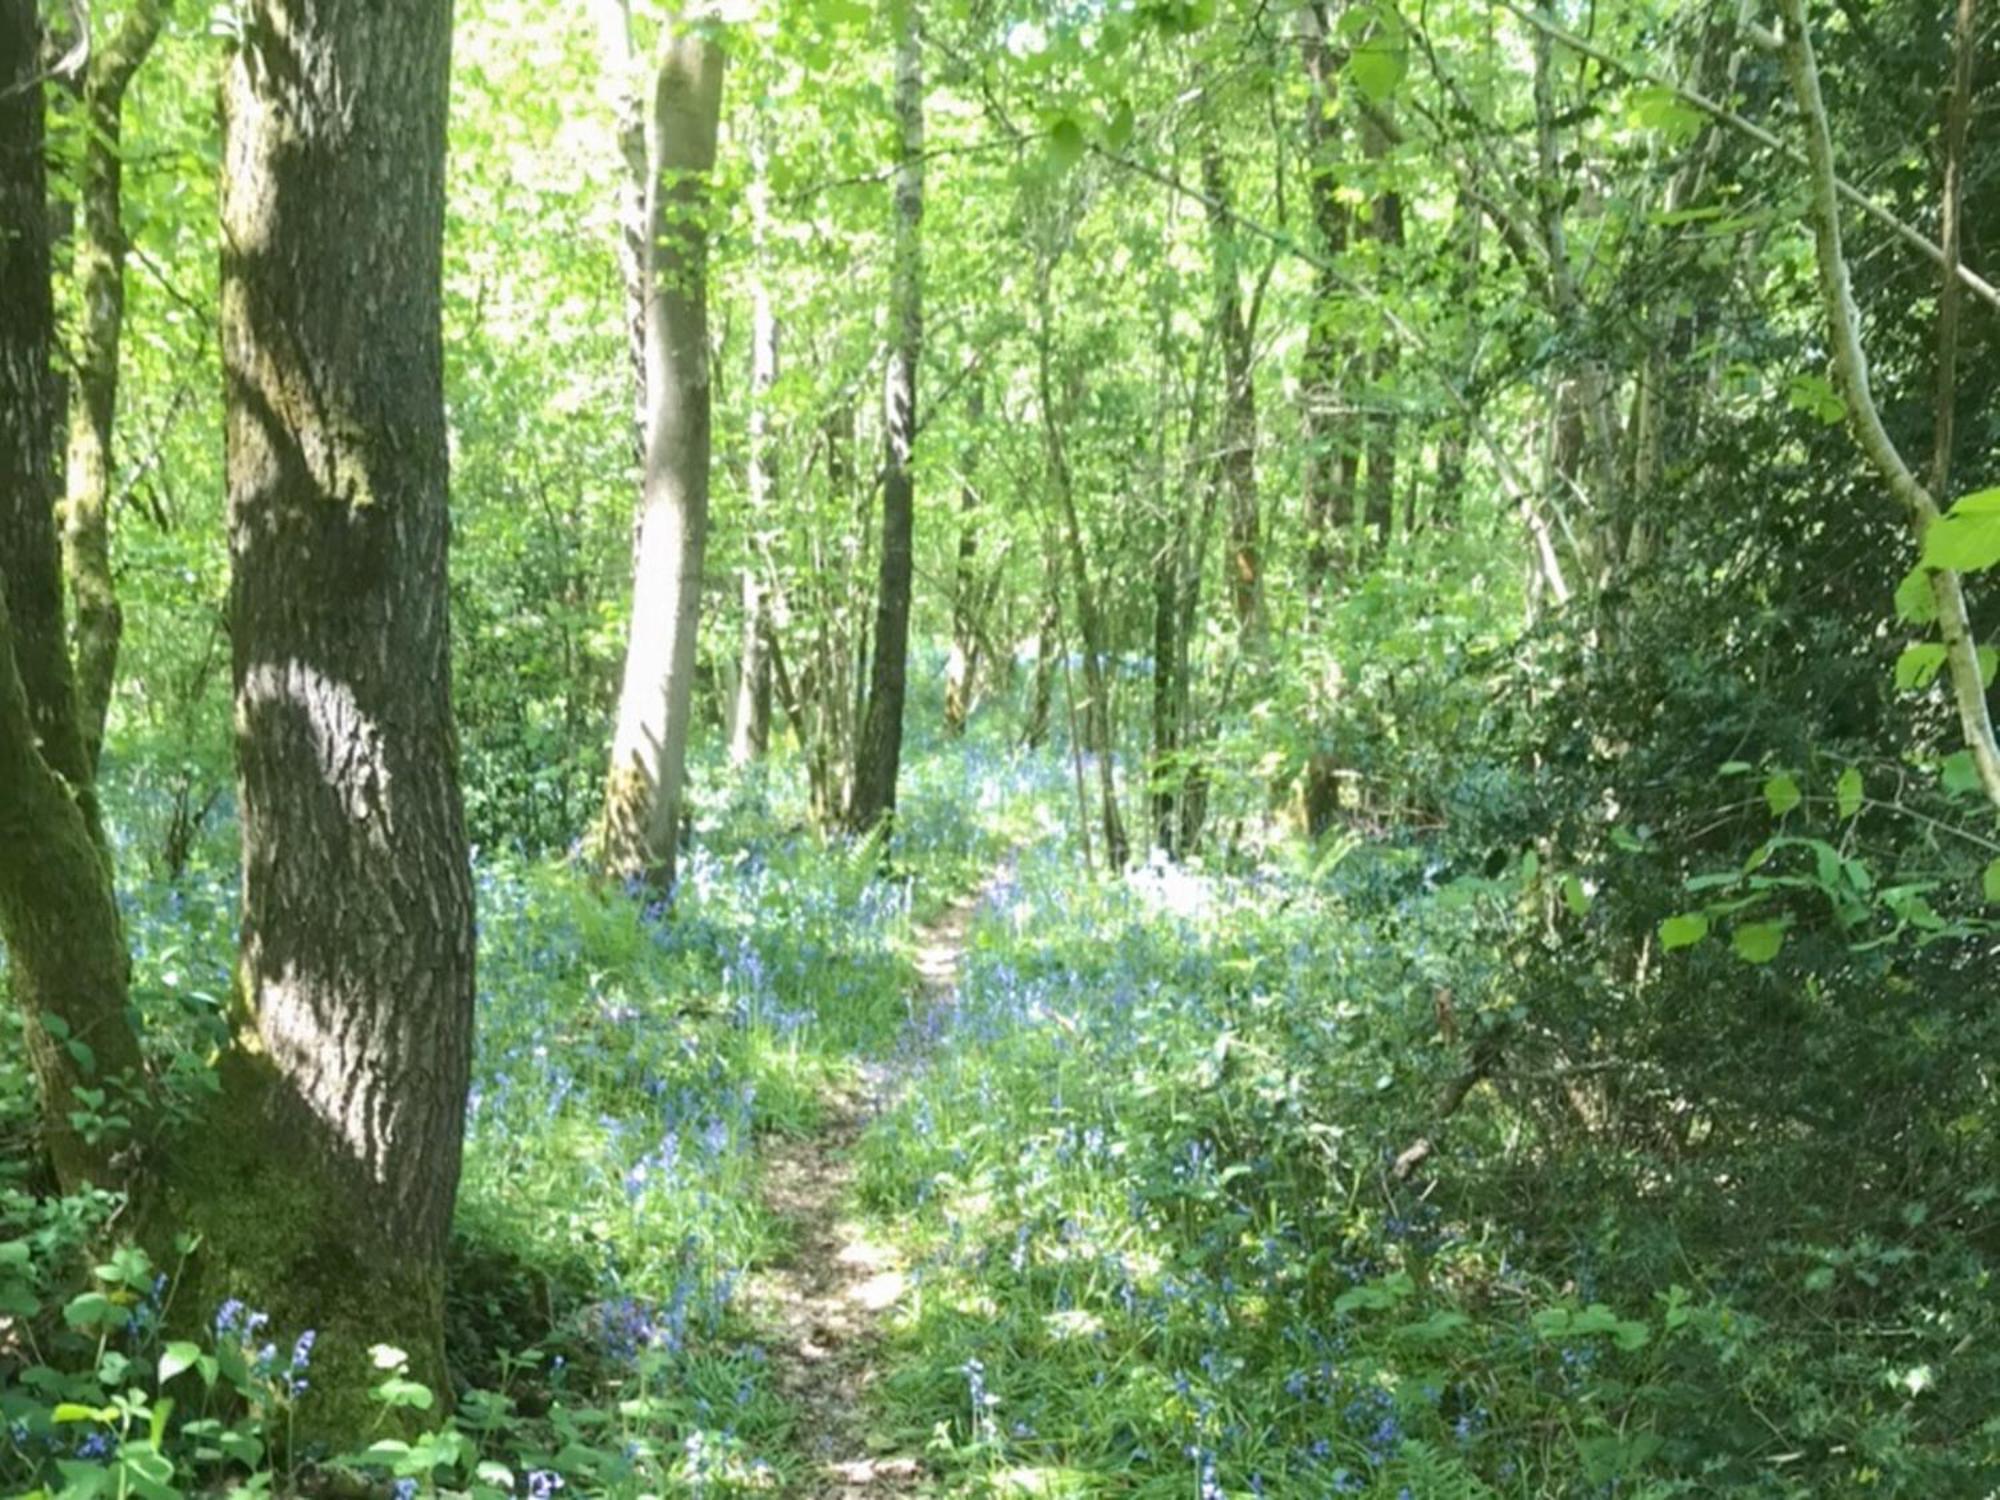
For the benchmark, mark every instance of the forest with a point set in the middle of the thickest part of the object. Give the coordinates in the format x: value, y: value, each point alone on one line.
x: 1157, y: 748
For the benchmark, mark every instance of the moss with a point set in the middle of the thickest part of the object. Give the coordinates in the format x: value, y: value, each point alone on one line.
x: 279, y: 1235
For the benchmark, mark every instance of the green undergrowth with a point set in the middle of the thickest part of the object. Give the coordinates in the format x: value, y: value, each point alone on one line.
x: 1147, y: 1185
x: 630, y: 1055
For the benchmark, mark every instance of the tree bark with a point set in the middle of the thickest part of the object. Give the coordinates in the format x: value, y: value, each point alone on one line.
x: 879, y: 753
x: 323, y: 1184
x: 100, y: 276
x: 1238, y: 457
x: 58, y: 919
x: 642, y: 800
x: 1330, y: 464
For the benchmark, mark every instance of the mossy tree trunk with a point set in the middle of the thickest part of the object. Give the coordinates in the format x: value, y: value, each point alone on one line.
x: 879, y: 752
x: 656, y: 702
x: 100, y: 277
x: 324, y: 1183
x: 66, y: 951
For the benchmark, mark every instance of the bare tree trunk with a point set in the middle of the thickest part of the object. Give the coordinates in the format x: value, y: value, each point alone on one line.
x: 880, y: 752
x: 100, y: 274
x: 642, y: 800
x: 1850, y: 361
x: 1330, y: 466
x: 1385, y: 227
x: 323, y: 1184
x: 65, y: 945
x: 1238, y: 458
x: 961, y: 675
x: 1089, y: 618
x: 750, y: 733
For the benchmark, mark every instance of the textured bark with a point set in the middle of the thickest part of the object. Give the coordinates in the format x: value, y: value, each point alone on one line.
x: 880, y: 750
x: 325, y: 1181
x: 100, y: 276
x: 1237, y: 459
x: 642, y: 801
x: 66, y: 952
x: 624, y: 91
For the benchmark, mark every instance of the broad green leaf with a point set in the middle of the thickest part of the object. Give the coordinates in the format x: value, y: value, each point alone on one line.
x: 1377, y: 66
x: 1989, y: 663
x: 1575, y: 897
x: 1967, y: 539
x: 1118, y: 129
x: 1782, y: 793
x: 1848, y: 793
x: 1989, y: 883
x: 1653, y: 107
x: 1683, y: 931
x: 1758, y: 942
x: 176, y: 1357
x: 1959, y: 774
x: 1915, y: 603
x: 1066, y: 143
x: 1917, y: 667
x: 1815, y: 395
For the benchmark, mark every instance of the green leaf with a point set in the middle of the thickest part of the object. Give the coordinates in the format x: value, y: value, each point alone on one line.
x: 1815, y: 395
x: 1917, y: 667
x: 1683, y: 931
x: 1781, y: 793
x: 1989, y: 883
x: 1967, y: 538
x: 1653, y: 107
x: 1914, y: 601
x: 1848, y: 793
x: 1989, y: 663
x: 1067, y: 143
x: 1959, y: 774
x: 176, y: 1357
x: 1377, y: 66
x: 1758, y: 942
x: 1575, y: 897
x: 1118, y: 129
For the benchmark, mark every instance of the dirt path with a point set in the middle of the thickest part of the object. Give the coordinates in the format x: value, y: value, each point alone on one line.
x: 822, y: 1303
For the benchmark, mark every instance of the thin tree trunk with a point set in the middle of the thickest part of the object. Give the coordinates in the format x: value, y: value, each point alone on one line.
x: 1850, y: 361
x: 66, y: 949
x: 1090, y: 619
x: 1330, y: 468
x: 324, y: 1182
x: 1238, y: 457
x: 962, y: 670
x: 642, y: 801
x: 100, y: 275
x: 751, y: 723
x: 1385, y: 228
x: 880, y: 752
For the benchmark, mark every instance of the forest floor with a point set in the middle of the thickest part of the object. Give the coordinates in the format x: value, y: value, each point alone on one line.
x: 820, y: 1305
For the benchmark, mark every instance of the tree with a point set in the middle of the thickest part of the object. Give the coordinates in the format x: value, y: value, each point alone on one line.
x: 880, y: 750
x: 750, y: 723
x: 100, y: 275
x: 324, y: 1183
x: 656, y: 702
x: 58, y: 918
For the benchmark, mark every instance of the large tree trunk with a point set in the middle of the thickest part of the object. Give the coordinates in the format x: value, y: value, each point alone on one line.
x: 66, y: 952
x: 750, y: 723
x: 880, y: 751
x: 1330, y: 464
x: 100, y: 275
x: 323, y: 1185
x: 642, y: 801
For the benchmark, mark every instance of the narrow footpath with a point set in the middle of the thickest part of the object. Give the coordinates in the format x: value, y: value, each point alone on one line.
x: 822, y: 1303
